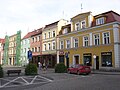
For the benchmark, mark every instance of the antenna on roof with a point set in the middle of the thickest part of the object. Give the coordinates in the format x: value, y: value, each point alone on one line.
x: 27, y: 29
x: 81, y: 7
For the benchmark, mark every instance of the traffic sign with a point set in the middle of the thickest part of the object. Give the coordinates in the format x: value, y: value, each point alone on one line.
x: 29, y: 54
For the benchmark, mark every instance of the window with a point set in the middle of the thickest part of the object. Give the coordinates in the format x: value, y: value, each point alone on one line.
x: 44, y: 46
x: 61, y: 44
x: 35, y: 49
x: 67, y: 43
x: 100, y: 21
x: 38, y: 49
x: 48, y: 34
x: 32, y: 49
x: 24, y: 50
x: 83, y: 24
x: 77, y: 26
x: 32, y: 39
x: 36, y: 39
x: 65, y: 31
x: 48, y: 46
x: 87, y: 58
x: 75, y: 42
x: 53, y: 45
x: 44, y: 35
x: 106, y: 38
x: 39, y: 38
x: 53, y: 33
x: 85, y: 41
x: 106, y: 59
x: 96, y: 39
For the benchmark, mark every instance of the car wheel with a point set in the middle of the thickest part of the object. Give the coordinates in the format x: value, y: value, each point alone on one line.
x: 78, y: 73
x: 87, y: 73
x: 68, y: 71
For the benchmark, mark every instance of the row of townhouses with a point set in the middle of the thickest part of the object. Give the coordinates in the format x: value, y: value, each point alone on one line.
x: 86, y: 39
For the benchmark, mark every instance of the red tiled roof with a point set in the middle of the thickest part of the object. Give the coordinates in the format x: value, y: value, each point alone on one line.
x: 2, y: 40
x: 35, y: 32
x: 111, y: 16
x: 28, y: 35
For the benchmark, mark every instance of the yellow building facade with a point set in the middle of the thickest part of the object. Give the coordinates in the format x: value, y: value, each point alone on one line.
x: 93, y: 41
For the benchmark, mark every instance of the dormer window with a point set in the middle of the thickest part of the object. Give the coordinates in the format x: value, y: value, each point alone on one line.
x: 77, y: 26
x: 65, y: 30
x: 100, y: 21
x: 83, y: 24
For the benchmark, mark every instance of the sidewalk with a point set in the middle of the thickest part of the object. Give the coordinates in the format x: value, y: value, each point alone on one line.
x: 105, y: 72
x: 50, y: 72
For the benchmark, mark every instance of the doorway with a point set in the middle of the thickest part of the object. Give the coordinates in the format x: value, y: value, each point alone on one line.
x: 76, y: 59
x: 97, y: 62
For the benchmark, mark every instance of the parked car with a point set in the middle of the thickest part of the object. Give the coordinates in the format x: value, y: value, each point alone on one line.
x: 79, y: 69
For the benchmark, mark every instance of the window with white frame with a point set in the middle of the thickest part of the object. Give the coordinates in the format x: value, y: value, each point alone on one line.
x: 61, y: 44
x: 67, y: 44
x: 96, y: 39
x: 100, y: 21
x: 77, y: 26
x: 48, y: 46
x: 53, y: 45
x: 48, y: 34
x: 76, y: 42
x: 44, y: 35
x: 45, y: 47
x: 85, y: 41
x: 65, y: 30
x: 106, y: 38
x: 32, y: 49
x: 83, y: 24
x: 53, y: 33
x: 38, y: 38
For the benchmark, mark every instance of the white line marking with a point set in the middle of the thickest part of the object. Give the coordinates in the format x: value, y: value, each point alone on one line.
x: 45, y: 78
x: 10, y: 82
x: 24, y: 80
x: 33, y: 80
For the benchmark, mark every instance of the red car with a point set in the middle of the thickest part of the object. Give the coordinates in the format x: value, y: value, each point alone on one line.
x: 79, y: 69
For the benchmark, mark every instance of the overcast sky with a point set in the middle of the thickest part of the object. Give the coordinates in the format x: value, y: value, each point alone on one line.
x: 27, y: 15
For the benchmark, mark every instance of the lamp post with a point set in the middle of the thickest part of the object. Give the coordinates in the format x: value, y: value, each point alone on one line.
x: 94, y: 57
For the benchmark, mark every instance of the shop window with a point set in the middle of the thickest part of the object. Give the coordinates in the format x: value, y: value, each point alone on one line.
x: 106, y: 59
x: 87, y: 59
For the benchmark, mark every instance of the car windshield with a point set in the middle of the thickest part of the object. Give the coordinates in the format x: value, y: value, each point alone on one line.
x: 78, y: 65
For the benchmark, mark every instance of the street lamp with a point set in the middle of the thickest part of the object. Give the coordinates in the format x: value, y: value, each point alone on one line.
x: 94, y: 56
